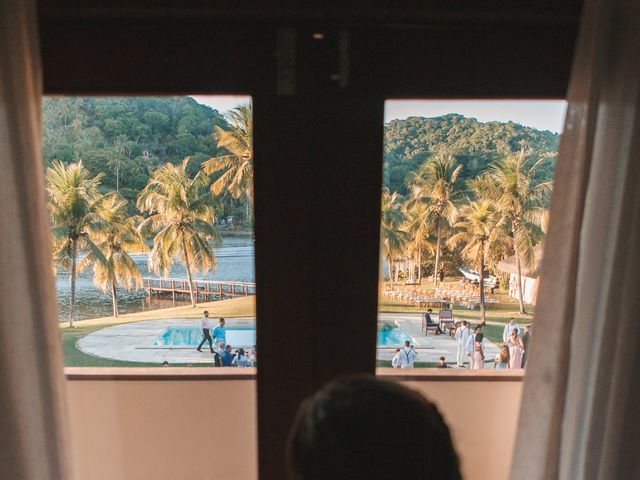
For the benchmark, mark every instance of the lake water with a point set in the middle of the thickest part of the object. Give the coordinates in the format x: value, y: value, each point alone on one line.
x: 235, y: 261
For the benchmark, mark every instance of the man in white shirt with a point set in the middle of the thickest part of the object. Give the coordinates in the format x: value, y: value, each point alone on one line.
x: 508, y: 328
x: 395, y: 362
x: 461, y: 337
x: 407, y: 356
x: 471, y: 344
x: 206, y: 324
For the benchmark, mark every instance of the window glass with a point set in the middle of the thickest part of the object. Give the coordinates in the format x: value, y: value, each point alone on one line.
x: 467, y: 186
x: 151, y: 210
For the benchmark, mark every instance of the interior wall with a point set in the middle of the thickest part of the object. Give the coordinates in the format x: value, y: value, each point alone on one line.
x: 482, y: 417
x: 201, y: 429
x: 163, y: 429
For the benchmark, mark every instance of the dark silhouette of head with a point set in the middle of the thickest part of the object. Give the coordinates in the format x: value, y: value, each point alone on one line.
x: 360, y: 428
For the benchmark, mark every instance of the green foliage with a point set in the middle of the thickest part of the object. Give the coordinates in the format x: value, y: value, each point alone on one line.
x: 127, y: 138
x: 408, y: 143
x: 181, y: 218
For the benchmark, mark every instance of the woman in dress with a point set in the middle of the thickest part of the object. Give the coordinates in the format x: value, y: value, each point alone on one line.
x: 253, y: 357
x: 516, y: 350
x: 502, y: 359
x: 478, y: 354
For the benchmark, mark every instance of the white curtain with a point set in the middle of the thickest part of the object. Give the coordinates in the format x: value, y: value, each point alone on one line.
x: 579, y: 417
x: 33, y: 438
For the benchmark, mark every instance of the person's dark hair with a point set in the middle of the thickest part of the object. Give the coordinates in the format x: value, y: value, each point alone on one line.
x: 407, y: 343
x: 464, y: 322
x: 441, y: 358
x: 241, y: 351
x: 479, y: 336
x: 206, y: 313
x: 361, y: 428
x: 221, y: 320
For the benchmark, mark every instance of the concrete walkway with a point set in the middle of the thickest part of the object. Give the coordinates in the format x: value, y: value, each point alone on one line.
x: 134, y: 341
x: 430, y: 348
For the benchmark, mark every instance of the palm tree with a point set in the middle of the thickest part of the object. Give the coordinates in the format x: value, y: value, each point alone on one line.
x: 418, y: 225
x: 391, y: 220
x: 114, y: 232
x: 237, y: 165
x: 434, y: 186
x: 73, y: 199
x: 520, y: 199
x: 476, y: 229
x: 182, y: 217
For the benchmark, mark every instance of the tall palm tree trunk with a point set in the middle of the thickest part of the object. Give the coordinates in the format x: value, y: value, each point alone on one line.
x: 520, y: 292
x: 436, y: 270
x: 74, y: 272
x: 419, y: 265
x: 114, y: 297
x: 483, y: 307
x: 186, y: 262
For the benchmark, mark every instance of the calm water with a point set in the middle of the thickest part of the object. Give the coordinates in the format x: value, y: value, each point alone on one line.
x: 391, y: 336
x: 235, y: 258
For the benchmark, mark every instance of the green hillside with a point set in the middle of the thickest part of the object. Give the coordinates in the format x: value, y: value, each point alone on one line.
x: 407, y: 143
x: 126, y: 138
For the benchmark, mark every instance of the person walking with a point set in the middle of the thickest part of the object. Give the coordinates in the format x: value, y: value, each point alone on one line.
x: 516, y: 350
x: 461, y: 336
x: 508, y: 328
x: 219, y: 333
x: 206, y: 324
x: 408, y: 356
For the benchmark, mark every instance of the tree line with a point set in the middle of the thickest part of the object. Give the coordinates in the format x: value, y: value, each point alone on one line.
x: 125, y: 139
x: 500, y: 212
x: 94, y: 228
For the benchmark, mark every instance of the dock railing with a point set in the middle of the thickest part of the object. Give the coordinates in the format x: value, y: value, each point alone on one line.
x: 221, y: 289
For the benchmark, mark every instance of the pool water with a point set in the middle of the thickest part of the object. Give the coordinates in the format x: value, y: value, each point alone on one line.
x: 185, y: 336
x: 245, y: 336
x: 391, y: 336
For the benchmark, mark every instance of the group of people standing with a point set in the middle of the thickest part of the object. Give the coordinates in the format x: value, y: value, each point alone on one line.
x: 512, y: 354
x: 223, y: 355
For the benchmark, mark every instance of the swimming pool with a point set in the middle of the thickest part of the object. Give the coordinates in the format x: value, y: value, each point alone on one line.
x: 189, y: 336
x: 391, y: 336
x: 245, y: 336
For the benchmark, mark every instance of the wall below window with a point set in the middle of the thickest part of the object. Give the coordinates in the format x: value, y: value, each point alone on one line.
x: 130, y: 427
x: 482, y: 416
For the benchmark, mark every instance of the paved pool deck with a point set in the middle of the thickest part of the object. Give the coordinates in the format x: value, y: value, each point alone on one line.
x: 133, y: 342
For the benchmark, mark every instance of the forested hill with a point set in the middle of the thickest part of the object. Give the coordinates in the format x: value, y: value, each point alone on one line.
x: 126, y: 138
x: 408, y: 142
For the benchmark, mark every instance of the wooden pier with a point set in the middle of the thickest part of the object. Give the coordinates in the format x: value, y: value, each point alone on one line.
x: 205, y: 289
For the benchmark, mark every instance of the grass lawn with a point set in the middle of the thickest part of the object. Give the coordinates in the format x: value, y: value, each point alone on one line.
x: 496, y: 316
x: 73, y: 357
